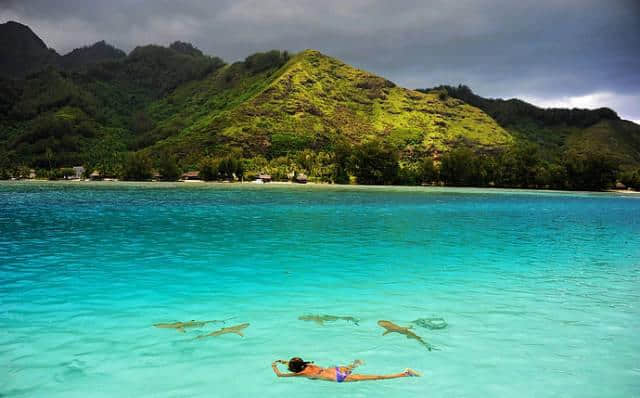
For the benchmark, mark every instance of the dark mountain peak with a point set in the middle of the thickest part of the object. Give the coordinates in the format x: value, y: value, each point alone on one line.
x: 148, y: 50
x: 22, y: 51
x: 185, y: 48
x: 175, y: 53
x: 102, y: 46
x: 20, y: 37
x: 98, y: 52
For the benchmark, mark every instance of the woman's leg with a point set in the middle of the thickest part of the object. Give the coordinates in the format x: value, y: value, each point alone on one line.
x: 357, y: 377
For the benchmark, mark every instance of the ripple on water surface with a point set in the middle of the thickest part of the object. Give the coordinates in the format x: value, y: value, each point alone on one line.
x: 540, y: 291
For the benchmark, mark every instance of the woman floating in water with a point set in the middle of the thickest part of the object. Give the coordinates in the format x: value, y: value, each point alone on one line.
x: 337, y: 373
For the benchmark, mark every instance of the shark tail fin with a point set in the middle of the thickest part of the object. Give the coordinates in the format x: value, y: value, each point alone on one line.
x: 427, y: 345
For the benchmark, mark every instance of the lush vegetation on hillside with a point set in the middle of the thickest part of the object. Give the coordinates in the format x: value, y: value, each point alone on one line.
x: 73, y: 113
x: 557, y: 131
x: 312, y: 103
x: 160, y: 111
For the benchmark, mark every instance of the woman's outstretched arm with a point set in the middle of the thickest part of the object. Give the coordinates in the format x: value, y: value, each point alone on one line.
x: 274, y: 366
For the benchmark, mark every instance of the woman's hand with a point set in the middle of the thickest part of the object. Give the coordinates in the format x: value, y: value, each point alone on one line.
x: 274, y: 365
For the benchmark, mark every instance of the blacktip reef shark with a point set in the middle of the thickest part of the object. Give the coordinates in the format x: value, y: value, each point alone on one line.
x: 393, y: 328
x: 181, y: 326
x: 321, y: 319
x: 237, y: 329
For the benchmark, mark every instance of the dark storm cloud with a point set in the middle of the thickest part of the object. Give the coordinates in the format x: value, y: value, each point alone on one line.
x: 553, y: 52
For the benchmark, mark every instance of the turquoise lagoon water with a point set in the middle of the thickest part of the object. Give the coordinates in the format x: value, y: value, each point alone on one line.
x: 541, y: 291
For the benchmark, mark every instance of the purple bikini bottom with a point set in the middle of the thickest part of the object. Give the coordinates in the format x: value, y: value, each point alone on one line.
x: 340, y: 375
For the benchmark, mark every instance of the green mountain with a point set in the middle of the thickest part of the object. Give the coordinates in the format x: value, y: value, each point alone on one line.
x: 306, y: 112
x: 312, y: 102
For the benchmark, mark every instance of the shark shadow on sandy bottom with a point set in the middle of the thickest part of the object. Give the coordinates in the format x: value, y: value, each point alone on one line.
x: 321, y: 319
x: 237, y: 329
x: 431, y: 323
x: 181, y: 326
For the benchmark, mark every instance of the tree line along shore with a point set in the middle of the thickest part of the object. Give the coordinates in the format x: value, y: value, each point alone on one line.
x: 370, y: 163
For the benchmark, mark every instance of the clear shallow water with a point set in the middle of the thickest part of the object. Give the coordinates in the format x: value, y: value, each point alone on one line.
x: 541, y: 290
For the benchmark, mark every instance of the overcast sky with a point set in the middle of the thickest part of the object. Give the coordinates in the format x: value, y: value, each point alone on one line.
x: 574, y: 53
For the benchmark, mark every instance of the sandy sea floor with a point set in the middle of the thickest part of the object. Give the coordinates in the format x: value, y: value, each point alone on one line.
x: 539, y: 289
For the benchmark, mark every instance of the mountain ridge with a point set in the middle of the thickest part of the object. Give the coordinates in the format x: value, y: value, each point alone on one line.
x: 274, y: 109
x: 98, y: 52
x: 580, y: 129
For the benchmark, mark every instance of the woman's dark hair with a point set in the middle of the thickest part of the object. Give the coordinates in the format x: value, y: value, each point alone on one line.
x: 297, y: 365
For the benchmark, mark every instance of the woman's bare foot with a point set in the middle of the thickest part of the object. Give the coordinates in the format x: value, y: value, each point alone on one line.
x: 411, y: 373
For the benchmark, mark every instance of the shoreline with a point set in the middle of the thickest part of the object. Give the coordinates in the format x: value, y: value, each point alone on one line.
x: 315, y: 185
x: 623, y: 191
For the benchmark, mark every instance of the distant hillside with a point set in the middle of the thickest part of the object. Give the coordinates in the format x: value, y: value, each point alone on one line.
x: 513, y: 111
x: 22, y: 52
x: 175, y: 107
x: 558, y: 130
x: 96, y: 53
x: 70, y: 111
